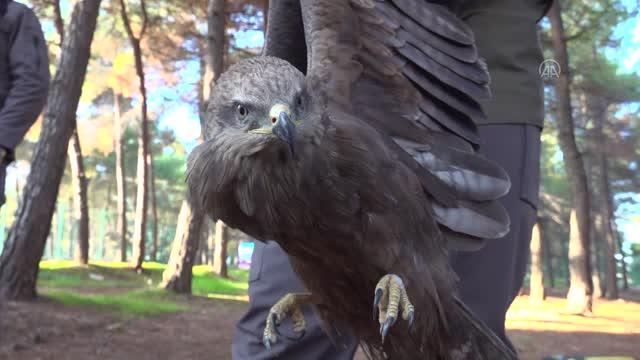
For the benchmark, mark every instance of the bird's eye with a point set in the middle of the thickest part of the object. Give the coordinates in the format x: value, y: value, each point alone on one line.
x: 242, y: 111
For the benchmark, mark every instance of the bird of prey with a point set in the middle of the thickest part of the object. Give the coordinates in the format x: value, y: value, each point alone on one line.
x: 352, y: 143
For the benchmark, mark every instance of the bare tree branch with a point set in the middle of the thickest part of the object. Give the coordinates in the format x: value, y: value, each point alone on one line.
x: 125, y: 20
x: 145, y: 19
x: 59, y: 23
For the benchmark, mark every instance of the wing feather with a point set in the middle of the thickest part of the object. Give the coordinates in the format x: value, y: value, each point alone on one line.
x: 411, y: 70
x: 476, y: 74
x: 459, y: 51
x: 441, y: 20
x: 444, y: 74
x: 460, y: 102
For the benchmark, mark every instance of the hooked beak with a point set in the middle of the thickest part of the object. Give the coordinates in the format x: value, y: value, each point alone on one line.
x: 284, y: 128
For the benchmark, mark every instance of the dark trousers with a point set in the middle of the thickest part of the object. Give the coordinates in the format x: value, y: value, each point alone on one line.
x: 491, y: 278
x: 3, y: 173
x: 271, y: 278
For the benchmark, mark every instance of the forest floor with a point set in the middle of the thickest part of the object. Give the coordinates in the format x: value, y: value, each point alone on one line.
x: 105, y: 311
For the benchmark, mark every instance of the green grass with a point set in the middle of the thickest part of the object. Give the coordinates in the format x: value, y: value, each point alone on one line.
x: 205, y: 282
x: 135, y: 303
x: 113, y: 286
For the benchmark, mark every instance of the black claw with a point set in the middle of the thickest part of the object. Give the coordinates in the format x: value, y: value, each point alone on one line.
x: 295, y: 338
x: 376, y: 302
x: 410, y: 320
x: 302, y: 334
x: 275, y: 323
x: 387, y: 325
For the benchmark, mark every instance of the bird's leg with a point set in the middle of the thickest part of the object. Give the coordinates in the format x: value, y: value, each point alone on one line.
x: 391, y: 298
x: 288, y: 305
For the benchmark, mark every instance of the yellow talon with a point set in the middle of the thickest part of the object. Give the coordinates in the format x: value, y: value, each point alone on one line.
x: 390, y: 297
x: 288, y: 305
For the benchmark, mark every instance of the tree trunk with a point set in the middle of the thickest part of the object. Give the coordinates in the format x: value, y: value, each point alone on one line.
x: 581, y: 286
x: 599, y: 286
x: 220, y: 250
x: 211, y: 241
x: 177, y: 275
x: 609, y: 236
x: 265, y: 14
x: 546, y: 250
x: 596, y: 233
x: 52, y: 243
x: 598, y: 109
x: 121, y: 185
x: 609, y: 243
x: 203, y: 249
x: 214, y: 59
x: 581, y: 290
x: 109, y: 226
x: 204, y: 239
x: 198, y: 257
x: 140, y: 227
x: 564, y: 260
x: 26, y: 241
x: 216, y: 19
x: 72, y: 229
x: 536, y: 281
x: 78, y: 177
x: 211, y: 68
x: 140, y: 220
x: 80, y: 202
x: 617, y: 240
x: 154, y: 210
x: 623, y: 264
x: 57, y: 20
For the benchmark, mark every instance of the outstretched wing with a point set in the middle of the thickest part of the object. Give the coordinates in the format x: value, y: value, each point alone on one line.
x: 411, y: 70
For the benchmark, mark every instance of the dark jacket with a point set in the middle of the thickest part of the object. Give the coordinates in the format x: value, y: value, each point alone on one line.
x: 24, y: 73
x: 506, y: 34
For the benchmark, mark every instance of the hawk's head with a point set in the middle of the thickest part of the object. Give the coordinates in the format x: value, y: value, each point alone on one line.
x: 249, y: 133
x: 260, y: 100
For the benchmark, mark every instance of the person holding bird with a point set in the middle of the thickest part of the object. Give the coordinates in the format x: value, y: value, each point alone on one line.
x: 24, y: 78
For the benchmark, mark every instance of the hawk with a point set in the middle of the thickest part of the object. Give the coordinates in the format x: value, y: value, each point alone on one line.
x: 352, y: 143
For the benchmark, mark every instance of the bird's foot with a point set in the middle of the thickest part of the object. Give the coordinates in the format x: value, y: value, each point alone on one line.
x: 390, y: 299
x: 288, y: 305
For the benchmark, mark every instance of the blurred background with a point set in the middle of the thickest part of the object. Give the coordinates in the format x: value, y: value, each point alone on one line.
x: 120, y: 204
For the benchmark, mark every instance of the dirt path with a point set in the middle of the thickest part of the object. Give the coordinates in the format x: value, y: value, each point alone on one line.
x: 544, y: 329
x: 47, y: 330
